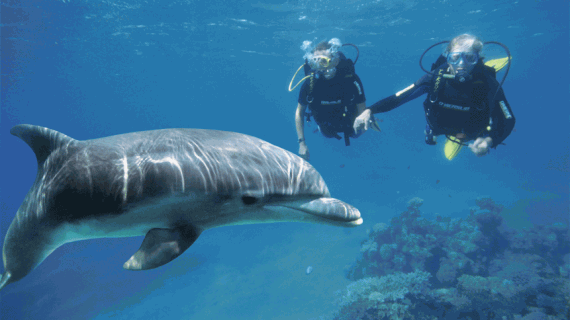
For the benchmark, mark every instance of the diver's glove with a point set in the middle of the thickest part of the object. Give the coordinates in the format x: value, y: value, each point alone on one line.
x: 481, y: 146
x: 362, y: 122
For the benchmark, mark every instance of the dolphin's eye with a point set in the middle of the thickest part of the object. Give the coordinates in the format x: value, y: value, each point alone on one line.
x: 248, y: 200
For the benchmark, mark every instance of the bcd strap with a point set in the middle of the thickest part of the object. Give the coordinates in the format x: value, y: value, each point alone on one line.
x: 437, y: 86
x: 309, y: 97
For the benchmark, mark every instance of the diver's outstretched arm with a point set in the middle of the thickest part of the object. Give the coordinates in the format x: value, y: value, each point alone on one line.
x: 412, y: 92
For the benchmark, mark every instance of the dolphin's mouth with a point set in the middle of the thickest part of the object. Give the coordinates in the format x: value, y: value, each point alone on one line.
x: 327, y: 210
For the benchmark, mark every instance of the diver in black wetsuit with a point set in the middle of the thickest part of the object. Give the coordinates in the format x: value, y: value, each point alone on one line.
x: 333, y: 94
x: 464, y: 100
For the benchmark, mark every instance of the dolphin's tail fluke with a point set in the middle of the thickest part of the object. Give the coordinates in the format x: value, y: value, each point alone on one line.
x: 4, y: 279
x: 42, y: 140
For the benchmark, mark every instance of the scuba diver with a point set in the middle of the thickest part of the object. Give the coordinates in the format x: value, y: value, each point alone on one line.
x: 465, y: 102
x: 332, y: 93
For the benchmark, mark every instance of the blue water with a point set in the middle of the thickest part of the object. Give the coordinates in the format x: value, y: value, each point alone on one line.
x: 91, y: 69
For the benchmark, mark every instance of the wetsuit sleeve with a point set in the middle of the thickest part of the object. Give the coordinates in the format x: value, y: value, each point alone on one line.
x: 303, y: 93
x: 503, y: 119
x: 419, y: 88
x: 359, y: 96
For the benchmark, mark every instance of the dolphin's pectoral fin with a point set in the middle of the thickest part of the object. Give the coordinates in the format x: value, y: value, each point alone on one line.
x: 161, y: 246
x: 4, y: 279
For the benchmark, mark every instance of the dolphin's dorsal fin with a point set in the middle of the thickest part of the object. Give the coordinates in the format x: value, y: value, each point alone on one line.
x: 160, y: 246
x: 42, y: 140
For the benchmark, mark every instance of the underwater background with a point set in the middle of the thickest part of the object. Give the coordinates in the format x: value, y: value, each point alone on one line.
x: 92, y: 69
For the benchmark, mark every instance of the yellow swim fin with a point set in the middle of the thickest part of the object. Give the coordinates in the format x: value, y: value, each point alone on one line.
x: 498, y: 64
x: 452, y: 147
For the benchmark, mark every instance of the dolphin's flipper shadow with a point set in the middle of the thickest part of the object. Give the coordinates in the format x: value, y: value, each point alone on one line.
x: 161, y: 246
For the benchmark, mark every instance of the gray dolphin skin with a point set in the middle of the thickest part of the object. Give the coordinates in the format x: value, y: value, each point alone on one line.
x: 169, y: 185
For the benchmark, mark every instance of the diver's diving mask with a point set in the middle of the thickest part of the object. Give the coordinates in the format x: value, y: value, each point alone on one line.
x: 320, y: 62
x: 324, y: 65
x: 455, y: 58
x: 462, y: 63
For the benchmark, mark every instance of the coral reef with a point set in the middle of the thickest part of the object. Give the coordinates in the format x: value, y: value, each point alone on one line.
x: 471, y: 268
x: 389, y: 297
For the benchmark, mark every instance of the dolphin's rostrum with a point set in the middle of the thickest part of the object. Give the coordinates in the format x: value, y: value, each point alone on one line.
x: 169, y: 185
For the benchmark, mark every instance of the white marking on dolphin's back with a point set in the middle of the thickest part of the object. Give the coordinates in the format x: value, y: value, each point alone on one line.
x: 125, y: 179
x: 208, y: 178
x: 175, y: 164
x: 87, y: 166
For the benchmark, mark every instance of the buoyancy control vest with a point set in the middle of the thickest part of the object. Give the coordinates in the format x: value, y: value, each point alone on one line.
x: 332, y: 108
x: 467, y: 104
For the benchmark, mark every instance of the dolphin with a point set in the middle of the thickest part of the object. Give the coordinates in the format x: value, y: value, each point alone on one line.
x: 169, y: 185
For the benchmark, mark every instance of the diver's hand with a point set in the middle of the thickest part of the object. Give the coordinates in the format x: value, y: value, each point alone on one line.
x: 362, y: 121
x: 480, y: 146
x: 304, y: 151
